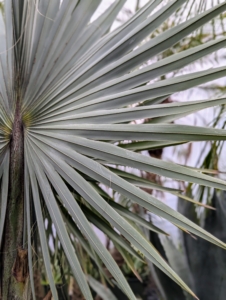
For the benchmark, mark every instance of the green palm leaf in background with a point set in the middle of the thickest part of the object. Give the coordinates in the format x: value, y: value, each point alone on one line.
x: 68, y: 88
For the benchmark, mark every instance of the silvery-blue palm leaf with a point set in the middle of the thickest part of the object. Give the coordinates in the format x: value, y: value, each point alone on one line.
x: 68, y: 89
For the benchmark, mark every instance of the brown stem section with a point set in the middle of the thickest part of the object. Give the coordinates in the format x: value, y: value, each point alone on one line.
x: 13, y: 232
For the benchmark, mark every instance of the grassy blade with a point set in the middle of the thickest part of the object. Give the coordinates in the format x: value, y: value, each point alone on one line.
x: 140, y: 132
x: 130, y: 114
x: 41, y: 228
x: 29, y: 244
x: 101, y: 290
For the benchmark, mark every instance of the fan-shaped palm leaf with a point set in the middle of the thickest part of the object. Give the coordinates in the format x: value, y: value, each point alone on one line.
x: 65, y: 82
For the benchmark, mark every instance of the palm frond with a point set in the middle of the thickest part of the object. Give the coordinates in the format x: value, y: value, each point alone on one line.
x: 72, y: 79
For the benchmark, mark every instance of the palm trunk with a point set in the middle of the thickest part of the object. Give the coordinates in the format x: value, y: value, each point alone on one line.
x: 14, y: 257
